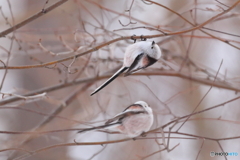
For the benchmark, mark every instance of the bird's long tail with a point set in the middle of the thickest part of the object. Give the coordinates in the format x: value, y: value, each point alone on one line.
x: 98, y: 127
x: 121, y: 70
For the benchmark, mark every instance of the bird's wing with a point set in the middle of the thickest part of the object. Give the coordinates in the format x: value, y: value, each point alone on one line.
x: 135, y: 63
x: 140, y: 62
x: 117, y: 120
x: 98, y: 127
x: 129, y: 111
x: 133, y: 107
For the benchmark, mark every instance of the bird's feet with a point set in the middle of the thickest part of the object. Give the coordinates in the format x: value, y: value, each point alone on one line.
x: 144, y: 134
x: 142, y: 38
x: 134, y: 39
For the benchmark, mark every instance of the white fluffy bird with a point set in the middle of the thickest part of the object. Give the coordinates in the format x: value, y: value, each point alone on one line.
x: 135, y: 120
x: 137, y: 56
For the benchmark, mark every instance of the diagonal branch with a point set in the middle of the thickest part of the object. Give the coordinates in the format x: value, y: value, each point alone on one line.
x: 30, y: 19
x: 59, y: 109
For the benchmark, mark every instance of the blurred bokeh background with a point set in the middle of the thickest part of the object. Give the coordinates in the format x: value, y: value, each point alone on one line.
x: 199, y: 69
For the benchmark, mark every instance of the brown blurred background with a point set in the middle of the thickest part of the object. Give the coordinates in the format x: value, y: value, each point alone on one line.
x: 77, y: 26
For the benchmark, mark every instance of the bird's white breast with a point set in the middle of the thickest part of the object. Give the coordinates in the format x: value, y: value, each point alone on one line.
x: 135, y: 125
x: 132, y: 51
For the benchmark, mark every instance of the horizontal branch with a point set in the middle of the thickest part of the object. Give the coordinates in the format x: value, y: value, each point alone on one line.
x: 150, y: 73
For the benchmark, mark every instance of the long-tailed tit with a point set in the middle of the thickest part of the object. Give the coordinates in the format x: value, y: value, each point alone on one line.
x: 135, y: 120
x: 137, y: 56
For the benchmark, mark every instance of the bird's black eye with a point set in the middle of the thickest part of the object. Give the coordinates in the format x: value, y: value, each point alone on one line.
x: 152, y: 44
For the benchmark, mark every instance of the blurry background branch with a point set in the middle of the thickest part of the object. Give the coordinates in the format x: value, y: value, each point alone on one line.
x: 30, y: 19
x: 49, y: 67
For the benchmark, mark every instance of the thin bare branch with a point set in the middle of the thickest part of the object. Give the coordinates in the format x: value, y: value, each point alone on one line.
x: 30, y: 19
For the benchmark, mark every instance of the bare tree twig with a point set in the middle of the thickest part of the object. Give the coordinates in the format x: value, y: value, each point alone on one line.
x: 30, y: 19
x: 135, y: 37
x: 200, y: 149
x: 219, y: 144
x: 216, y: 106
x: 59, y: 109
x: 206, y: 22
x: 202, y: 97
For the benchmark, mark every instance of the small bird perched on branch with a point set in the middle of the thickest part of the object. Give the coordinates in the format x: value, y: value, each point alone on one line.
x: 137, y: 56
x: 135, y: 120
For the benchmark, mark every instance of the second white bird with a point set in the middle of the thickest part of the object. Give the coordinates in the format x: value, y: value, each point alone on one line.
x: 135, y: 120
